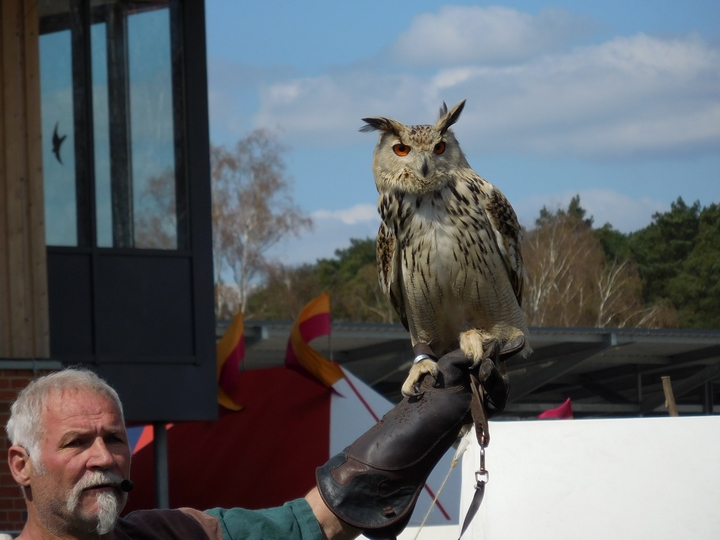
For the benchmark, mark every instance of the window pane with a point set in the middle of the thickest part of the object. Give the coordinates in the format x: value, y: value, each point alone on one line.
x: 132, y: 162
x: 152, y: 136
x: 101, y: 131
x: 58, y: 138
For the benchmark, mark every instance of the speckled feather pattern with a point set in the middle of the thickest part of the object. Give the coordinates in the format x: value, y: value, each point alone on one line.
x: 448, y: 247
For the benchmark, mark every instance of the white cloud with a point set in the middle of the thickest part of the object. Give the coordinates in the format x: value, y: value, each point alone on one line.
x: 624, y: 213
x: 332, y: 230
x: 469, y: 34
x: 357, y: 214
x: 630, y: 96
x: 232, y: 96
x: 327, y: 109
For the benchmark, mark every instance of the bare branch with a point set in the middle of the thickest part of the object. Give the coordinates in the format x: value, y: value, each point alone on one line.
x: 253, y: 209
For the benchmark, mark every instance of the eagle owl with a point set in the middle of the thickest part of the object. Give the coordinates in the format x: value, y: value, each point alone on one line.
x: 448, y: 248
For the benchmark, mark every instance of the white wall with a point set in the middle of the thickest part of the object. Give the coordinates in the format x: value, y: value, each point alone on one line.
x: 634, y: 479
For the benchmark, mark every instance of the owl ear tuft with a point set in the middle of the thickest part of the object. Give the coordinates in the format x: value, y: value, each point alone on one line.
x: 387, y: 125
x: 447, y: 119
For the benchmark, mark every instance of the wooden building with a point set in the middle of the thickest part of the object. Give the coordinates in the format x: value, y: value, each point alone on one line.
x: 105, y: 227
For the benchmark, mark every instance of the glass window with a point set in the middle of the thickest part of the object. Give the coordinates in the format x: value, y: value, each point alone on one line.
x: 101, y: 130
x: 58, y: 138
x: 125, y: 123
x: 151, y: 120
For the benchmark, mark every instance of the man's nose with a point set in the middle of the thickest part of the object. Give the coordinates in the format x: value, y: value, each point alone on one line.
x: 100, y: 456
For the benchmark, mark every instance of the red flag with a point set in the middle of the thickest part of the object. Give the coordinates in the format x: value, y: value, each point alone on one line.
x: 146, y: 436
x: 564, y: 411
x: 230, y: 353
x: 313, y: 322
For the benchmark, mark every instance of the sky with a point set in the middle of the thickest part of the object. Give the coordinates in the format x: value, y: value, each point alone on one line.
x: 615, y: 101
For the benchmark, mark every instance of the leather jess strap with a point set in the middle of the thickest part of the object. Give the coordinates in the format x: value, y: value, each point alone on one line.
x: 482, y: 432
x: 477, y: 408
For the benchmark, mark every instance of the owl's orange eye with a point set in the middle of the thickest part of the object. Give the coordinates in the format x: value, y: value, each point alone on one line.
x: 401, y: 149
x: 439, y: 148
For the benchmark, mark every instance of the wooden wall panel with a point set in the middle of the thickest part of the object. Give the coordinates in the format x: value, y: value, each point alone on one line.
x: 36, y: 201
x: 24, y: 331
x: 4, y: 277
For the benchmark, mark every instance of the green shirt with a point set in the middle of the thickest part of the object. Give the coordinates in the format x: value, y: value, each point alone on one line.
x: 292, y: 521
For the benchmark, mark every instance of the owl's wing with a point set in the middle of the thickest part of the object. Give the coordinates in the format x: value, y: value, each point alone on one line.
x: 389, y: 274
x: 507, y: 237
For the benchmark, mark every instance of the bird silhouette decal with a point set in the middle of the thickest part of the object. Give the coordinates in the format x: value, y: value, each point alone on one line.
x: 57, y: 143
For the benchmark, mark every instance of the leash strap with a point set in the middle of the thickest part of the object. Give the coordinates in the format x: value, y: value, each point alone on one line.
x: 474, y: 506
x: 483, y: 436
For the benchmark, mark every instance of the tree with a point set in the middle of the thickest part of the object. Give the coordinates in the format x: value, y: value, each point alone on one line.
x: 615, y: 244
x: 350, y: 278
x: 559, y: 255
x: 661, y: 247
x: 619, y: 299
x: 678, y: 258
x: 665, y: 275
x: 285, y: 291
x: 695, y: 290
x: 253, y: 209
x: 155, y: 219
x: 574, y: 213
x: 572, y: 280
x: 347, y: 262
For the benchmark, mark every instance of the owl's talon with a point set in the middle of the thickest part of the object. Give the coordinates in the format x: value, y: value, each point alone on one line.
x: 471, y: 343
x: 411, y: 386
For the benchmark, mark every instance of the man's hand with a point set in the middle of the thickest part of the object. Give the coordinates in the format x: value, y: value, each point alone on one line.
x: 333, y: 528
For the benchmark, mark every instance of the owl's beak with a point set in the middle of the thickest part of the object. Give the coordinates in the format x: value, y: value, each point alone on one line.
x: 425, y: 167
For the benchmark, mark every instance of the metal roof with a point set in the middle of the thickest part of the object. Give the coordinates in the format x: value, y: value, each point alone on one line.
x: 605, y: 371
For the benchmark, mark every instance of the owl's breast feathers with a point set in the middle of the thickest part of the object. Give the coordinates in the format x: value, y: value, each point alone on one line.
x: 451, y: 253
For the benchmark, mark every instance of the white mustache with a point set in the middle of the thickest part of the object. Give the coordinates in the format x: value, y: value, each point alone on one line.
x: 98, y: 478
x: 90, y: 480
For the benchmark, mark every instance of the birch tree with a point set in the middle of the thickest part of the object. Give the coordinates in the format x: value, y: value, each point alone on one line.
x: 559, y: 255
x: 253, y: 209
x: 571, y: 282
x: 155, y: 221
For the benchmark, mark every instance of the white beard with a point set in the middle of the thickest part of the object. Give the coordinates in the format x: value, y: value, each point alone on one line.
x: 109, y: 510
x: 109, y: 505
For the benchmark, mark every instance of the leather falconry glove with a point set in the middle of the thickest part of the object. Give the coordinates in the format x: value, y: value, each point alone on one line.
x: 374, y: 483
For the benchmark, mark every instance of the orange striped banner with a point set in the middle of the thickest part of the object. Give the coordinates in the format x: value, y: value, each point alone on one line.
x: 230, y: 353
x: 313, y: 322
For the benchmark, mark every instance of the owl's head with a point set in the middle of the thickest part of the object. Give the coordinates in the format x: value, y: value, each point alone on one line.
x: 416, y: 159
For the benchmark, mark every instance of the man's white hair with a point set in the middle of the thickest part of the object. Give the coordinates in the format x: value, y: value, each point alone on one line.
x: 25, y: 428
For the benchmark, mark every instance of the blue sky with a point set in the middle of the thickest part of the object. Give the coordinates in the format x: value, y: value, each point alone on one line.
x: 616, y: 101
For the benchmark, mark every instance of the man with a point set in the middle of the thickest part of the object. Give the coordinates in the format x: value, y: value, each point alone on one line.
x: 70, y: 455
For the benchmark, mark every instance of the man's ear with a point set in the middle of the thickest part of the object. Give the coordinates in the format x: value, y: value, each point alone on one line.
x: 19, y: 462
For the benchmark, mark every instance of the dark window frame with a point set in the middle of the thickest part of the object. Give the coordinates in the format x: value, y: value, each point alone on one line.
x: 180, y: 385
